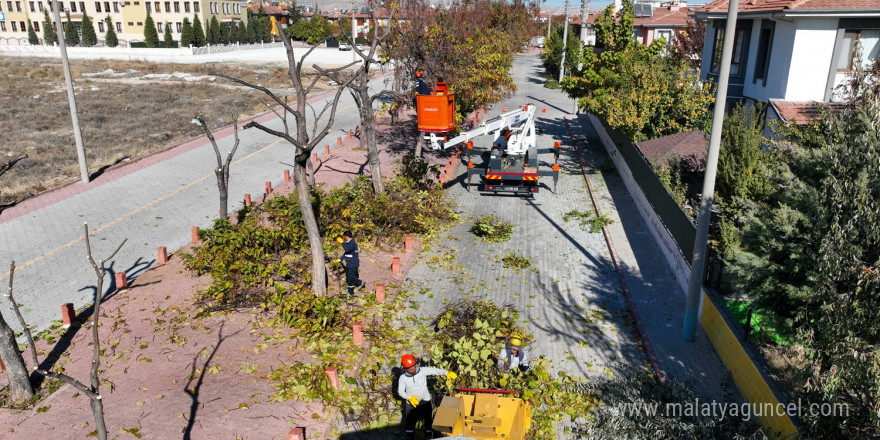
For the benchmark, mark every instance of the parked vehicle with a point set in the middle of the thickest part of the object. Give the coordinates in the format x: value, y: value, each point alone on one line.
x: 344, y: 46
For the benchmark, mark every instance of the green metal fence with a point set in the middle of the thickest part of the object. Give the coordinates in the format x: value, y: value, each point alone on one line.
x: 677, y: 221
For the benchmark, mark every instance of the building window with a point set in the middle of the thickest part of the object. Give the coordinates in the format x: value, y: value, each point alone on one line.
x: 118, y: 26
x: 212, y: 7
x: 179, y: 27
x: 36, y: 26
x: 863, y: 44
x: 17, y: 6
x: 736, y: 58
x: 2, y: 26
x: 226, y: 8
x: 140, y: 23
x: 33, y: 9
x: 9, y: 6
x: 14, y: 26
x: 131, y: 23
x: 82, y: 7
x: 156, y: 7
x: 116, y: 7
x: 101, y: 26
x: 197, y: 7
x: 98, y: 7
x: 159, y: 28
x: 167, y: 6
x: 147, y: 6
x: 186, y: 7
x: 106, y: 6
x: 765, y: 43
x: 40, y: 6
x: 72, y: 6
x: 176, y: 6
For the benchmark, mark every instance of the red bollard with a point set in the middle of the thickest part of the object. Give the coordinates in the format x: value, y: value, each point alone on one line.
x: 2, y: 367
x: 296, y: 434
x: 162, y: 254
x: 380, y: 293
x: 121, y: 280
x: 268, y: 188
x: 357, y: 333
x: 395, y: 265
x: 247, y: 200
x: 314, y: 158
x: 338, y: 141
x: 327, y: 149
x: 333, y: 376
x: 407, y: 243
x: 349, y: 134
x: 195, y: 234
x: 68, y: 315
x: 287, y: 175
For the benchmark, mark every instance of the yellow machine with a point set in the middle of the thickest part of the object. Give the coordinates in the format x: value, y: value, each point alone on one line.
x: 483, y: 414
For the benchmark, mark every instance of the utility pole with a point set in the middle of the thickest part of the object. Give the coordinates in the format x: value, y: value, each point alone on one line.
x: 564, y: 42
x: 354, y: 36
x: 584, y: 15
x: 698, y: 262
x: 71, y: 97
x: 549, y: 20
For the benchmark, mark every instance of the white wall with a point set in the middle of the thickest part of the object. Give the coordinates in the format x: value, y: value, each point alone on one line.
x: 811, y: 59
x: 706, y: 63
x: 778, y: 70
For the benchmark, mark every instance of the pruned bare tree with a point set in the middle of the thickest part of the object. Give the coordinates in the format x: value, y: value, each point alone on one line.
x: 20, y: 387
x: 93, y: 390
x: 3, y: 169
x: 222, y: 170
x: 304, y: 142
x: 360, y: 89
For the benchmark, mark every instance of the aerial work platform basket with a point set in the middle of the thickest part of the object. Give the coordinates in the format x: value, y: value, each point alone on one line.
x: 436, y: 113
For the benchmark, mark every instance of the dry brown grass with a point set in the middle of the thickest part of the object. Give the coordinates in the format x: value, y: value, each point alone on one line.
x: 119, y: 117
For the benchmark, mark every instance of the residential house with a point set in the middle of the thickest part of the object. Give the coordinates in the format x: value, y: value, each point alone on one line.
x: 795, y: 51
x: 128, y: 16
x: 666, y: 22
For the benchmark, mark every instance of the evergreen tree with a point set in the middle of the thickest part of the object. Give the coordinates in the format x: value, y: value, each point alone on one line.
x: 214, y: 31
x: 198, y: 33
x: 89, y: 37
x: 50, y: 37
x: 224, y: 33
x: 151, y: 35
x: 71, y: 36
x: 186, y: 34
x: 111, y: 40
x: 169, y: 40
x: 265, y: 29
x: 234, y: 35
x: 251, y: 29
x: 32, y: 35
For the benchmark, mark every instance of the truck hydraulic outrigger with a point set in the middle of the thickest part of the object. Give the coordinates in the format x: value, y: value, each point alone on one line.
x: 512, y: 163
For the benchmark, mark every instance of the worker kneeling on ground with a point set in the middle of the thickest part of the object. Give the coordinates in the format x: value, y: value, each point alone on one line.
x: 413, y: 389
x: 512, y: 356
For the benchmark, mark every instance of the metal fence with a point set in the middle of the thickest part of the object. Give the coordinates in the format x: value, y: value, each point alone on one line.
x: 676, y: 221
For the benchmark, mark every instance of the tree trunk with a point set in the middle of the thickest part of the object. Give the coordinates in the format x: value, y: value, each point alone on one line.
x: 368, y: 136
x: 419, y: 142
x: 224, y: 193
x: 20, y: 387
x: 310, y: 170
x: 319, y: 275
x: 98, y: 411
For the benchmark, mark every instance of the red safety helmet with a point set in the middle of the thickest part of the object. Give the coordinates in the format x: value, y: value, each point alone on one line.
x: 407, y: 361
x: 418, y: 73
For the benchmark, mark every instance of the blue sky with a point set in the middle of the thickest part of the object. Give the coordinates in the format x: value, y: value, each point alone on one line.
x: 594, y: 4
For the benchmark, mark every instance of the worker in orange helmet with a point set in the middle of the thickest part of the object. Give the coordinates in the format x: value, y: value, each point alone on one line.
x: 421, y: 85
x: 413, y: 389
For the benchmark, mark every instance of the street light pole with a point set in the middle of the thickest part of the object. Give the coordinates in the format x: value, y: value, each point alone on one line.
x: 698, y: 262
x: 564, y: 42
x: 71, y: 97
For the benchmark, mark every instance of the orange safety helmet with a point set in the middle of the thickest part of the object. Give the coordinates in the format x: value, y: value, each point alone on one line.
x: 407, y: 360
x: 418, y: 73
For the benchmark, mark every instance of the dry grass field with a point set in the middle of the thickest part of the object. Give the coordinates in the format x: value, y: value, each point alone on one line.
x: 132, y: 110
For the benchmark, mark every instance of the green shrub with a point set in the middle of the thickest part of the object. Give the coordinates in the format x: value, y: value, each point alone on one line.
x: 491, y: 229
x: 417, y: 172
x: 588, y: 220
x: 513, y: 261
x: 552, y: 84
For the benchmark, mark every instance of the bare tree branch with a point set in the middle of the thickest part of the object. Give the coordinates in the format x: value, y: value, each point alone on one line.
x: 8, y: 165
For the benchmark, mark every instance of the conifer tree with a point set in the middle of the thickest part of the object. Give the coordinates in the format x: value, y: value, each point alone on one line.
x: 89, y: 37
x: 198, y: 33
x: 214, y: 31
x: 251, y: 29
x: 151, y: 35
x: 169, y: 40
x: 110, y: 39
x: 186, y: 34
x: 224, y: 33
x: 50, y: 37
x: 32, y: 34
x: 71, y: 36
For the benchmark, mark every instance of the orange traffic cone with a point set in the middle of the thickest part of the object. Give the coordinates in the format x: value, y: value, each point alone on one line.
x: 545, y: 109
x: 505, y: 108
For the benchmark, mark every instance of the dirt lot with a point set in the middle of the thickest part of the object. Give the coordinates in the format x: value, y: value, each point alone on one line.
x: 126, y: 110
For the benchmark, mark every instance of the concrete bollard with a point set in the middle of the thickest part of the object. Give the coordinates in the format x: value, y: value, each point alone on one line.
x: 68, y: 315
x: 247, y: 200
x: 2, y: 366
x: 395, y: 265
x: 338, y: 141
x: 121, y: 280
x: 327, y: 149
x: 315, y: 158
x: 407, y: 243
x: 287, y: 175
x: 380, y: 293
x: 296, y: 434
x: 349, y: 135
x: 333, y: 376
x: 357, y: 333
x: 268, y: 188
x: 162, y: 254
x: 195, y: 234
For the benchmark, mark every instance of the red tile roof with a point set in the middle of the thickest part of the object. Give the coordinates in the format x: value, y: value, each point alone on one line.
x: 268, y: 10
x: 668, y: 16
x: 684, y: 145
x: 802, y: 113
x: 792, y: 5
